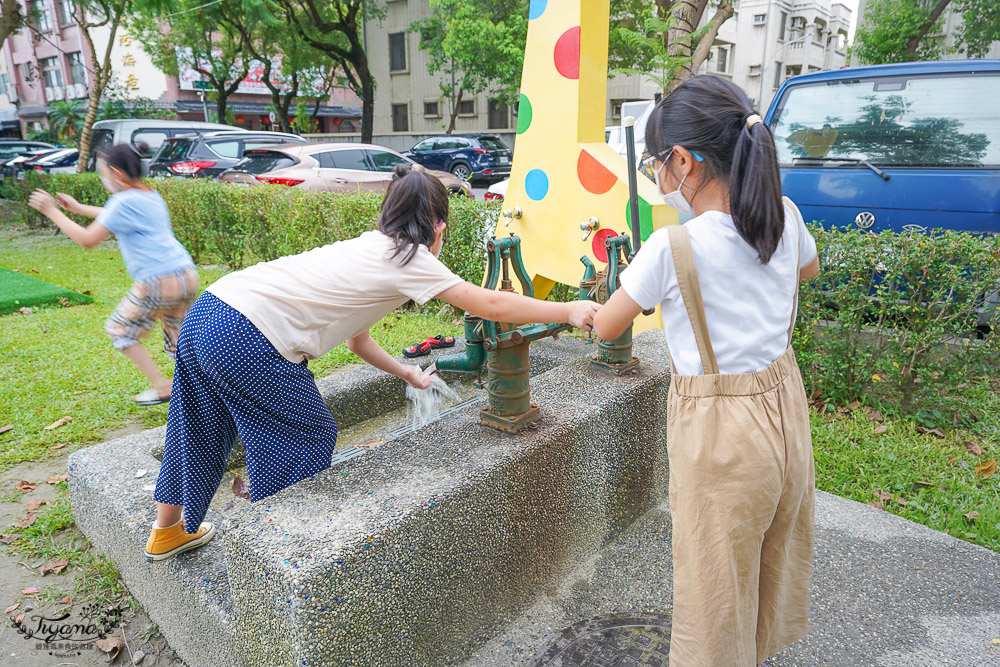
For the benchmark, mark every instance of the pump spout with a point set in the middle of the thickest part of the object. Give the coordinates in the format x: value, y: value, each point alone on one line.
x: 587, y: 282
x: 474, y: 356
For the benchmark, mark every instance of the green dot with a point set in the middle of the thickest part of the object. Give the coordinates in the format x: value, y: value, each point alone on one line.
x: 645, y: 218
x: 523, y: 114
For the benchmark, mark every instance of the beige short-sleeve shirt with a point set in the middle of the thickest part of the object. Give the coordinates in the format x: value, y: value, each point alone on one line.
x: 307, y: 304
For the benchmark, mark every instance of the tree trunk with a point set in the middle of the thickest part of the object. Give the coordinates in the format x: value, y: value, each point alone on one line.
x: 722, y: 14
x: 221, y: 102
x: 102, y: 74
x: 914, y: 43
x: 86, y: 132
x: 679, y: 40
x: 367, y: 106
x: 10, y: 19
x: 454, y: 111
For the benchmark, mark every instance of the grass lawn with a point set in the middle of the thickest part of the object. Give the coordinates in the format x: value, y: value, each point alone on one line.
x: 57, y: 362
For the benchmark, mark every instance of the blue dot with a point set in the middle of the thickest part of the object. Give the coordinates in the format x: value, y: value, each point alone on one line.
x: 536, y: 8
x: 536, y: 184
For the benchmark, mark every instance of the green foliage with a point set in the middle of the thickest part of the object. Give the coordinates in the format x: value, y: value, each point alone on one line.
x: 222, y: 224
x: 42, y: 135
x: 894, y: 31
x: 66, y: 118
x: 641, y: 48
x: 892, y: 319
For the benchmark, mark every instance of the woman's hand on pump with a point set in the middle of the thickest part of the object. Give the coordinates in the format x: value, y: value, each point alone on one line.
x: 582, y: 313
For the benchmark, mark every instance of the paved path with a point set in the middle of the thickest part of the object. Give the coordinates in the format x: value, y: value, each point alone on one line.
x: 886, y: 592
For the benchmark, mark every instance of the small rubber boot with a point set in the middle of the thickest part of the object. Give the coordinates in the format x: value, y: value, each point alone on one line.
x: 165, y: 543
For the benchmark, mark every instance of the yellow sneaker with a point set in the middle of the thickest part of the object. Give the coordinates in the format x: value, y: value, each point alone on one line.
x: 165, y: 543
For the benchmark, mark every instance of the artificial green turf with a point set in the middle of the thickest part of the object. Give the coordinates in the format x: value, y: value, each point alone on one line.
x: 18, y: 290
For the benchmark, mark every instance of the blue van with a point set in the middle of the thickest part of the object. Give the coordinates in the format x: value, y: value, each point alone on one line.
x: 901, y: 147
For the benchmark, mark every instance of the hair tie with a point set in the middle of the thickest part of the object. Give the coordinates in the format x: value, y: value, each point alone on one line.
x: 752, y: 119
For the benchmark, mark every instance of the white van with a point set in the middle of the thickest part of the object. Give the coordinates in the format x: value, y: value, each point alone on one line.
x: 149, y: 131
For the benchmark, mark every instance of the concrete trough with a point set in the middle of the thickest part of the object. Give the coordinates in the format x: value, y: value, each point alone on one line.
x: 415, y: 553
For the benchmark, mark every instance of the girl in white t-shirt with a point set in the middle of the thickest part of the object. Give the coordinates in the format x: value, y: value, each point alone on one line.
x: 243, y: 349
x: 741, y: 466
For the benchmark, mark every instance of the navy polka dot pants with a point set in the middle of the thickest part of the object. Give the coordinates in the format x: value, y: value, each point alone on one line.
x: 230, y: 380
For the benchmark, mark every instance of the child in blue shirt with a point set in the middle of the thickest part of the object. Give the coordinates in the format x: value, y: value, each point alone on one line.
x: 166, y: 283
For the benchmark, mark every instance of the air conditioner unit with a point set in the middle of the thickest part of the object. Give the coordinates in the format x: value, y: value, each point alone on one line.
x: 78, y: 90
x: 759, y: 19
x: 54, y: 93
x: 798, y: 22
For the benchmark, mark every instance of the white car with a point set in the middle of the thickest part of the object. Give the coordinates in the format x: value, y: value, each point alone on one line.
x: 613, y: 134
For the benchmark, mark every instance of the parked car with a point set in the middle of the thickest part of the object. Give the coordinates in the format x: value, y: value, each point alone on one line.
x: 16, y: 166
x: 13, y: 147
x: 208, y: 155
x: 61, y: 161
x: 150, y: 132
x: 469, y: 157
x: 334, y: 167
x: 901, y: 147
x: 497, y: 191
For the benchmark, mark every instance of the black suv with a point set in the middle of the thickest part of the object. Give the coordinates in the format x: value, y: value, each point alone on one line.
x: 208, y: 155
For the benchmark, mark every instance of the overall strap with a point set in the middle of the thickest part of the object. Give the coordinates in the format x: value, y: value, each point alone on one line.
x: 687, y: 280
x: 798, y: 260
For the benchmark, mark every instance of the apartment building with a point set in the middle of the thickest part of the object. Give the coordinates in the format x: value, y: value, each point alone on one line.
x: 49, y: 61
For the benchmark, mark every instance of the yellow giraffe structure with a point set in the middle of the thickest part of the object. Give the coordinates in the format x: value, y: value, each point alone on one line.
x: 564, y: 174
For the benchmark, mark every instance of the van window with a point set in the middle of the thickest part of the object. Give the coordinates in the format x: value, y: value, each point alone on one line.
x: 351, y: 158
x: 917, y: 121
x: 229, y: 149
x: 152, y: 138
x: 102, y: 139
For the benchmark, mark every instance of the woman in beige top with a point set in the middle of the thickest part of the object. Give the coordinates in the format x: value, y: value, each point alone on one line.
x: 242, y: 353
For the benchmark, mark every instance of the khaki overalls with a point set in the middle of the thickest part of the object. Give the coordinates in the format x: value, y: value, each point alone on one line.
x: 741, y: 500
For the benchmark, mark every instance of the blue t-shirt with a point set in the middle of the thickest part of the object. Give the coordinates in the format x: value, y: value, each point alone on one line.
x: 141, y: 223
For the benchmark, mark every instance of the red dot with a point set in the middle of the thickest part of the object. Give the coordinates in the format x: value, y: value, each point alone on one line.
x: 593, y: 175
x: 597, y: 245
x: 567, y: 53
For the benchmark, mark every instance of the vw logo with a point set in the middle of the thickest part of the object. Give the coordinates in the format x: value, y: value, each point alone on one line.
x: 914, y: 228
x: 865, y: 220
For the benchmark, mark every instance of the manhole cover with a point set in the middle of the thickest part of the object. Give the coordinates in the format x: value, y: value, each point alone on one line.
x: 620, y: 640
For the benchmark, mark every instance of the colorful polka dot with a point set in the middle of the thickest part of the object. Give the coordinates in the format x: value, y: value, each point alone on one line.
x: 597, y: 245
x: 645, y: 218
x: 567, y: 53
x: 536, y: 184
x: 536, y: 8
x: 523, y: 114
x: 593, y: 175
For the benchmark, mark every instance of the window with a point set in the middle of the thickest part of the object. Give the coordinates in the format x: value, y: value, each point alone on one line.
x: 919, y: 121
x: 66, y: 13
x: 779, y: 74
x: 261, y: 162
x: 51, y: 72
x: 77, y: 71
x: 229, y: 149
x: 425, y: 145
x: 400, y: 117
x: 499, y: 115
x: 492, y: 143
x: 26, y: 73
x: 758, y: 19
x: 781, y: 29
x: 432, y: 109
x: 397, y: 52
x: 43, y: 17
x: 102, y: 139
x: 351, y: 158
x: 798, y: 22
x: 386, y: 161
x: 467, y: 108
x: 4, y: 84
x: 841, y: 41
x: 723, y: 64
x: 260, y: 143
x: 152, y: 138
x: 754, y: 70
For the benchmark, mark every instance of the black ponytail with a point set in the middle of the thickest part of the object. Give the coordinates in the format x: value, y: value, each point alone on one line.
x: 709, y: 115
x: 414, y: 203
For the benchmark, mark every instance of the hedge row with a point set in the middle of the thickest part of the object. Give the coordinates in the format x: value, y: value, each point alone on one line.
x: 220, y: 223
x: 870, y: 327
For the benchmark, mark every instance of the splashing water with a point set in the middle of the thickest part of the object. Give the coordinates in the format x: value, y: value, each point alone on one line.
x: 427, y: 403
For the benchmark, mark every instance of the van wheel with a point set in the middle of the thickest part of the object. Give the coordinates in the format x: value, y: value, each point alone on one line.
x: 461, y: 170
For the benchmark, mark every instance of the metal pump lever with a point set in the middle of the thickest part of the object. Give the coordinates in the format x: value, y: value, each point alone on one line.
x: 511, y: 214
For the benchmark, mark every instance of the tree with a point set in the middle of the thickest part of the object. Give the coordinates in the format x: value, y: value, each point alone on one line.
x: 893, y: 31
x: 66, y: 118
x: 478, y: 45
x: 12, y: 18
x: 197, y: 40
x: 333, y: 27
x: 89, y: 15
